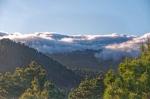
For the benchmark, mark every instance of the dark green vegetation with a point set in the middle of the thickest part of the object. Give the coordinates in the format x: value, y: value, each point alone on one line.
x: 130, y: 81
x: 78, y: 60
x: 28, y: 83
x: 14, y: 55
x: 85, y: 60
x: 88, y: 89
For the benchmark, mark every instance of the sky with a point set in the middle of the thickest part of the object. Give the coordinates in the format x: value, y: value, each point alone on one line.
x: 75, y: 16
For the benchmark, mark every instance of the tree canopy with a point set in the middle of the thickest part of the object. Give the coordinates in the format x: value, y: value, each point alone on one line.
x: 88, y: 89
x: 132, y: 80
x: 28, y: 83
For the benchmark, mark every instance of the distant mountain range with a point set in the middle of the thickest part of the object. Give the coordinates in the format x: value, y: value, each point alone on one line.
x: 77, y: 51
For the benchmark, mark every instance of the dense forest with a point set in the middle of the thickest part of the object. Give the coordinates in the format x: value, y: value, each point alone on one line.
x: 28, y: 83
x: 13, y: 55
x: 130, y: 81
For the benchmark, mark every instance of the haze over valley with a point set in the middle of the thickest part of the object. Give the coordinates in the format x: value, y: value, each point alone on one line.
x: 74, y: 49
x: 95, y: 52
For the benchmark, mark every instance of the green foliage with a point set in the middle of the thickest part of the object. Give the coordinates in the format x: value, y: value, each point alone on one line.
x: 86, y: 73
x: 88, y: 89
x: 28, y: 83
x: 132, y: 80
x: 47, y: 92
x: 13, y: 55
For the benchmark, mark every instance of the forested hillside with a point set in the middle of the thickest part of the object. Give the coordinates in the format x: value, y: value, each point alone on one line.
x: 78, y: 59
x: 28, y: 83
x: 74, y: 49
x: 34, y: 81
x: 132, y: 81
x: 14, y: 55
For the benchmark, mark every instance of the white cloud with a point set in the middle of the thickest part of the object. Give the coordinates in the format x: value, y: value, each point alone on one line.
x: 48, y: 42
x: 114, y: 46
x: 129, y: 48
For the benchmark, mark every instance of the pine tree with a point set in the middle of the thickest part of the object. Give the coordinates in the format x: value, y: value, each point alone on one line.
x: 132, y: 80
x: 88, y: 89
x: 28, y: 83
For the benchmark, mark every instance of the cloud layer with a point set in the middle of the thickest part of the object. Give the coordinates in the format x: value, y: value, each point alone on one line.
x: 56, y: 43
x: 130, y: 48
x: 113, y: 46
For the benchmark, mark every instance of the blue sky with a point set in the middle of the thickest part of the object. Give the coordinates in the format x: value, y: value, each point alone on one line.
x: 75, y: 16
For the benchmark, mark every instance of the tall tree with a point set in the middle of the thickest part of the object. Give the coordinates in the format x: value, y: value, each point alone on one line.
x: 132, y: 80
x: 30, y: 83
x: 88, y: 89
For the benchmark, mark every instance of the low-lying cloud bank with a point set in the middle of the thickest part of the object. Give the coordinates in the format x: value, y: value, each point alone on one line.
x: 130, y: 48
x: 56, y: 43
x: 114, y: 46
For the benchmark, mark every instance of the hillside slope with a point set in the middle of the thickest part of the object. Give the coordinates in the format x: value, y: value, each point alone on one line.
x: 78, y: 60
x: 14, y: 55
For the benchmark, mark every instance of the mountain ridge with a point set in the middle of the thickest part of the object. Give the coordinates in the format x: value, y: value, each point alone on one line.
x: 103, y: 50
x: 49, y: 42
x: 14, y: 55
